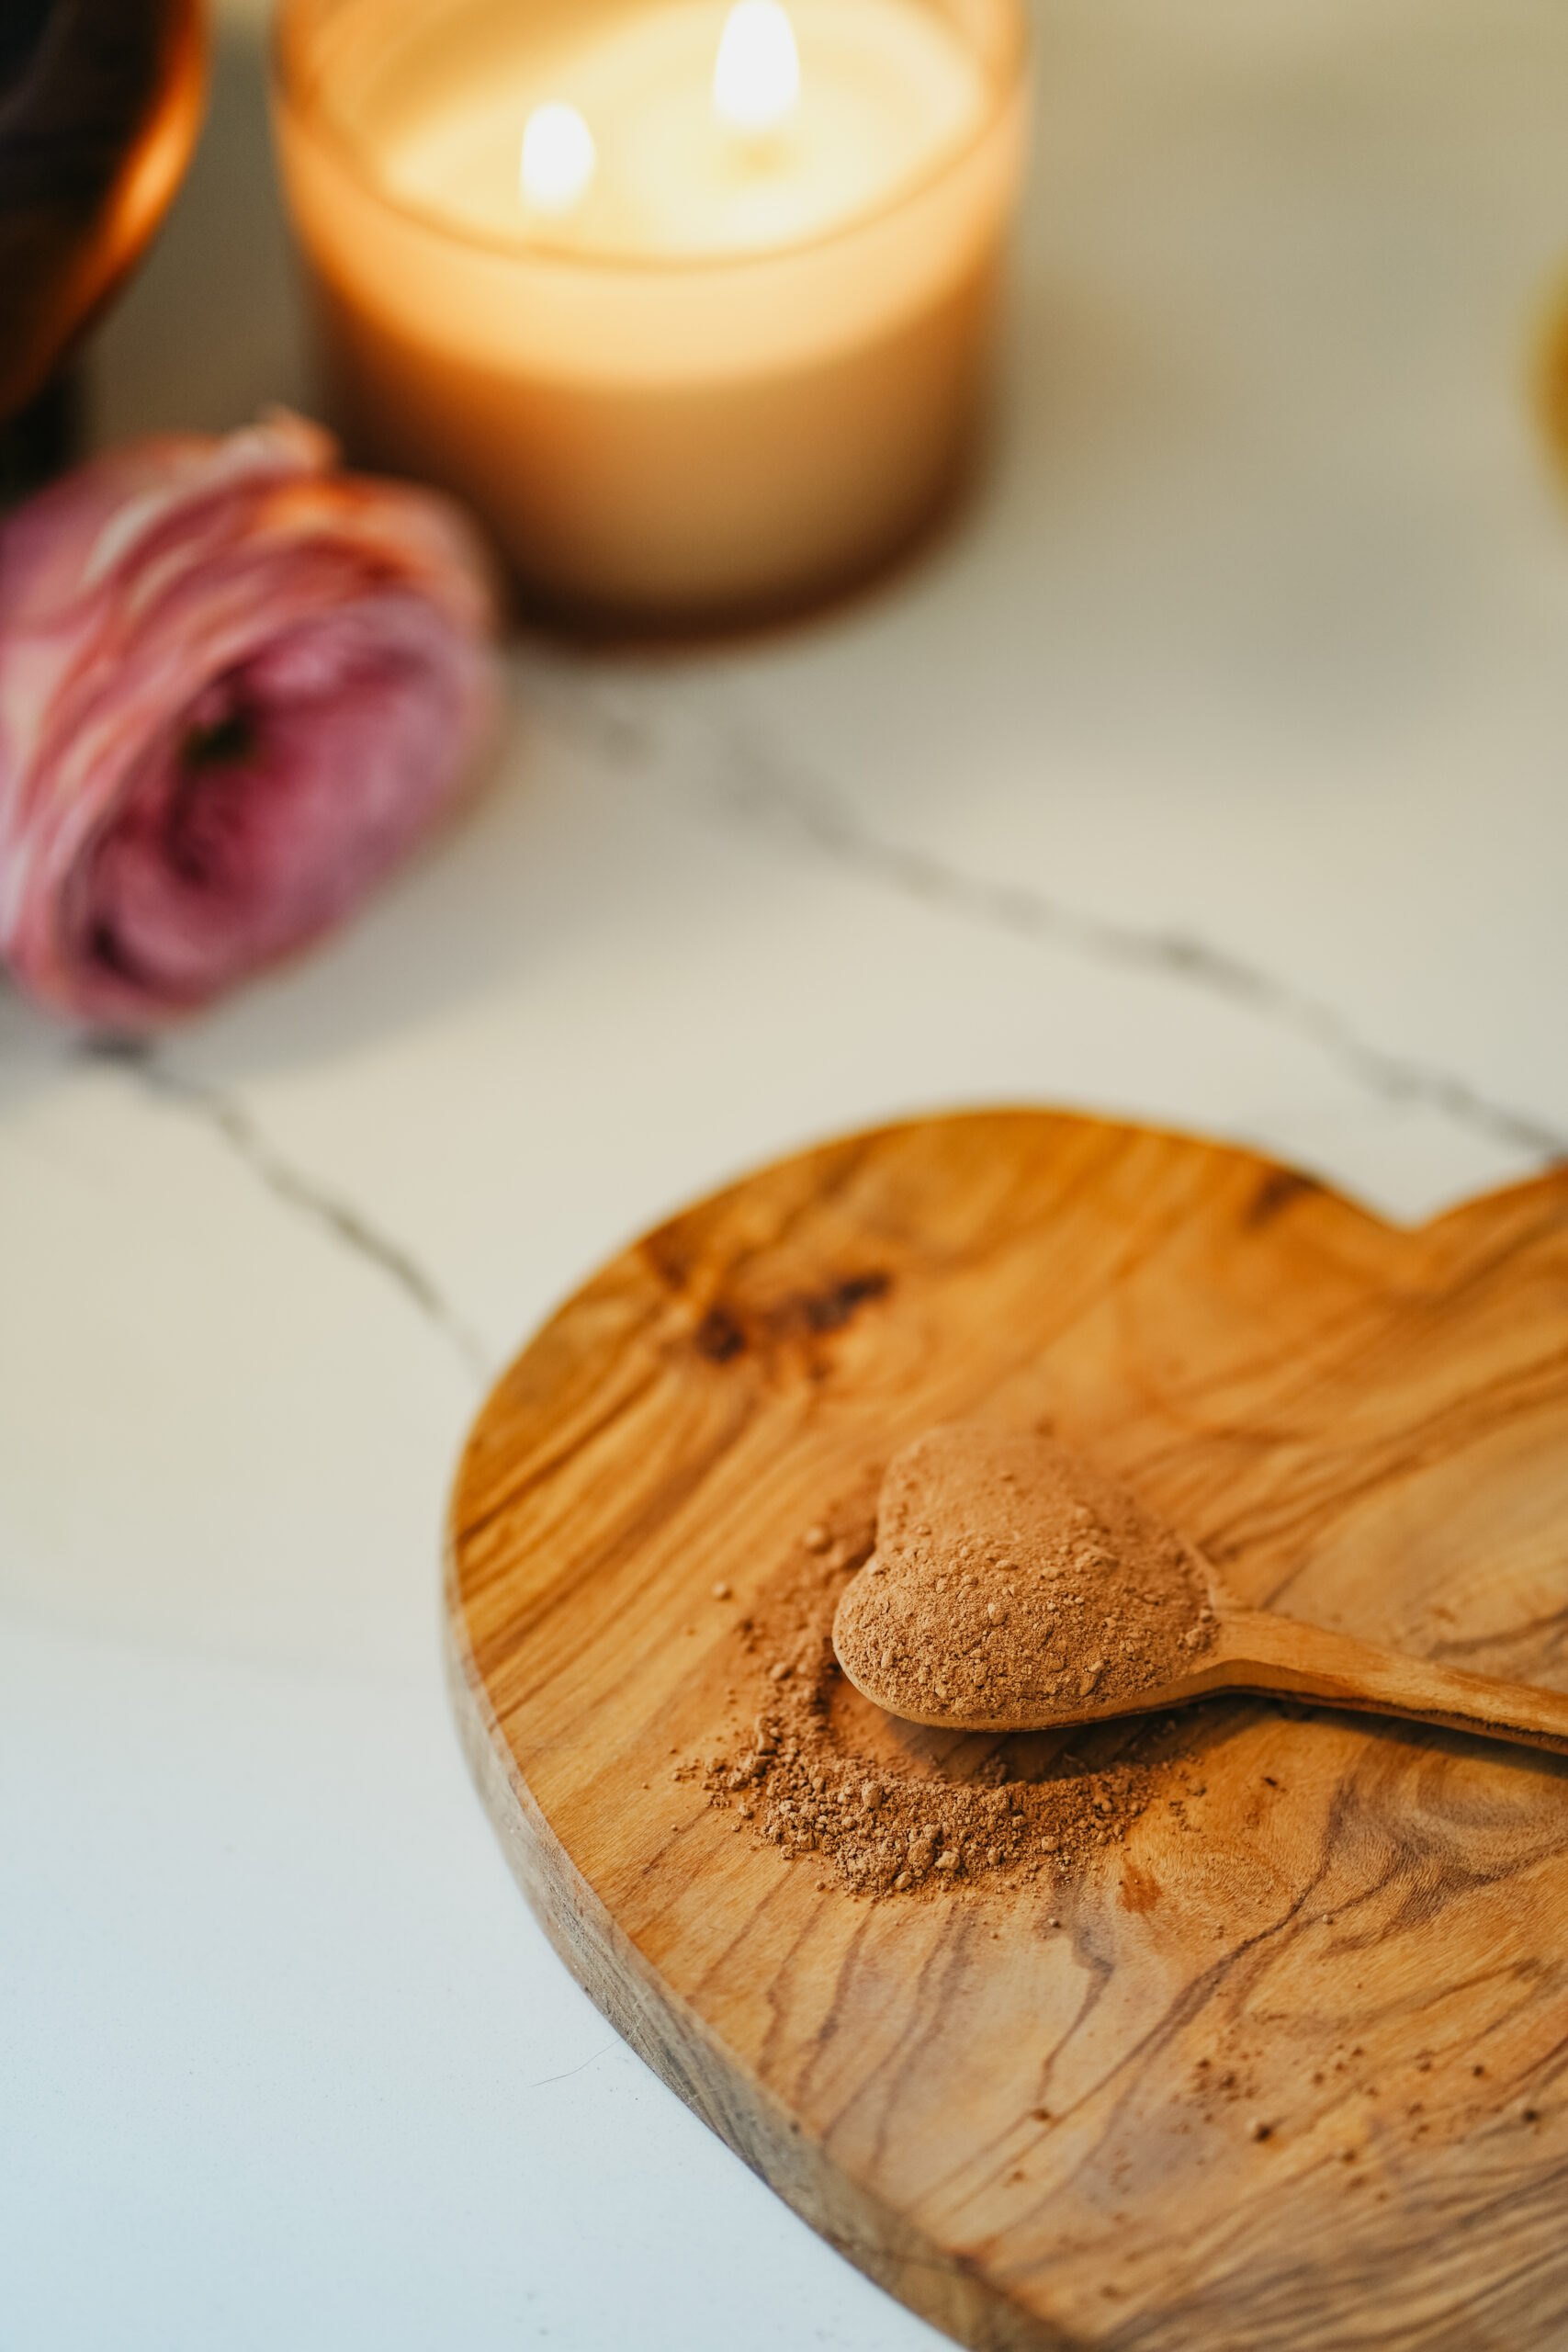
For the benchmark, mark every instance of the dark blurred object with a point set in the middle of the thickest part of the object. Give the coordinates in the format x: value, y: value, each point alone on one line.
x: 101, y: 101
x: 41, y: 439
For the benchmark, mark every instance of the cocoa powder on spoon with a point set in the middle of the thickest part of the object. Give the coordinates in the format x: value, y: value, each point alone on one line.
x: 1009, y: 1572
x: 807, y: 1768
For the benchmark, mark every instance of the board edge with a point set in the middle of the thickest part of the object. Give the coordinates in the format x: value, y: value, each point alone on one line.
x: 937, y: 2285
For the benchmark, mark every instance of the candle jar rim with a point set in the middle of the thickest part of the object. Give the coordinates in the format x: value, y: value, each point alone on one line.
x: 295, y: 89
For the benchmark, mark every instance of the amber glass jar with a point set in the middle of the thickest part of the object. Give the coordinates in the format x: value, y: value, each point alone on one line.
x: 101, y: 101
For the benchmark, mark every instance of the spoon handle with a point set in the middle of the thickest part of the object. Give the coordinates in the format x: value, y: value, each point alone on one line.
x: 1258, y: 1651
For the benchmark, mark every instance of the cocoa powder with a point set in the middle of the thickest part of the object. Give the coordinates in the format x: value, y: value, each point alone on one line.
x: 816, y: 1773
x: 1010, y: 1578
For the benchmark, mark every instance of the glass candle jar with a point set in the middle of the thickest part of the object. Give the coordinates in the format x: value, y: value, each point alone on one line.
x: 691, y: 303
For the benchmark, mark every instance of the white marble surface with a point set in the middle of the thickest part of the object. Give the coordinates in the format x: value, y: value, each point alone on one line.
x: 1211, y: 771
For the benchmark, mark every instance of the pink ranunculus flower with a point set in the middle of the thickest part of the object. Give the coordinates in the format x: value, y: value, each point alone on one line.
x: 235, y: 686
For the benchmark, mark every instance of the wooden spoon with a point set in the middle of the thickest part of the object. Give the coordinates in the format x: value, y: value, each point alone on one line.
x: 1255, y: 1650
x: 938, y: 1576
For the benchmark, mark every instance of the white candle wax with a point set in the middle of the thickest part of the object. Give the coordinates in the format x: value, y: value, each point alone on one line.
x: 686, y: 360
x: 886, y: 91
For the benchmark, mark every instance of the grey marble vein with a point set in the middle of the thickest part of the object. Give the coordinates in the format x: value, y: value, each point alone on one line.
x: 761, y: 792
x: 546, y: 2080
x: 339, y: 1219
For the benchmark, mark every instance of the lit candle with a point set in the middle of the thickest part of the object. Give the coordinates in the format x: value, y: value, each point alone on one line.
x: 690, y: 300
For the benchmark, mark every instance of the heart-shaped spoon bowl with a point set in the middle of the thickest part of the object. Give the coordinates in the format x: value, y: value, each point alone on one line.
x: 1013, y: 1588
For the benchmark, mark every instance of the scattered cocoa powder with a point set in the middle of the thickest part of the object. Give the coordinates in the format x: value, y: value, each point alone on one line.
x: 1012, y: 1580
x: 892, y: 1808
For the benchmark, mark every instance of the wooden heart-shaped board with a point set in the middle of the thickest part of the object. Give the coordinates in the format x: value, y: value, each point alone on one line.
x: 1274, y: 2060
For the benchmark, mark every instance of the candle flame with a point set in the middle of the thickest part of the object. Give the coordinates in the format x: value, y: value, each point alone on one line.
x: 559, y: 159
x: 756, y: 83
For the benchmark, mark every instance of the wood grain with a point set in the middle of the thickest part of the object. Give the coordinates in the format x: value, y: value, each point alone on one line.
x: 1349, y: 1936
